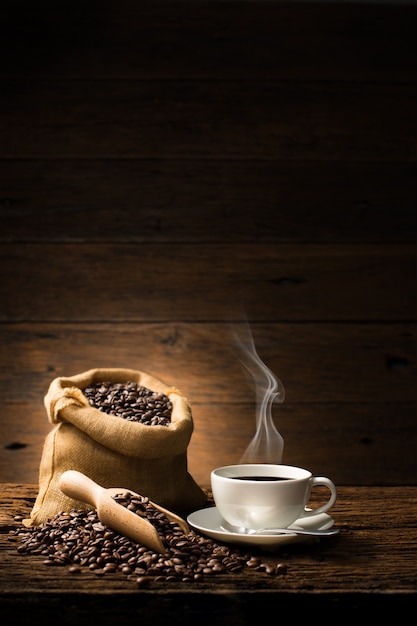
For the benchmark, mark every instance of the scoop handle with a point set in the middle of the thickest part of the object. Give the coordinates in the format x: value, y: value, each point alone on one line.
x: 79, y: 487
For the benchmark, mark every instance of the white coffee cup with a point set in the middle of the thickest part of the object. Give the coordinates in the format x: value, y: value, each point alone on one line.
x: 260, y: 495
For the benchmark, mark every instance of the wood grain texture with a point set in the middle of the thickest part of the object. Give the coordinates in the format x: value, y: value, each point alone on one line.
x: 133, y: 282
x: 350, y: 399
x: 356, y: 444
x: 342, y: 363
x: 200, y: 120
x: 170, y: 167
x: 332, y: 573
x: 207, y: 201
x: 174, y: 166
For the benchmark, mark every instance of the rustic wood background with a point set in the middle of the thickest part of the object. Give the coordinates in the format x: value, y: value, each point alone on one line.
x: 170, y: 169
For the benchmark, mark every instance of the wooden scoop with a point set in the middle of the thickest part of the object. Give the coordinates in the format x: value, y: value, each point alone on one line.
x: 117, y: 517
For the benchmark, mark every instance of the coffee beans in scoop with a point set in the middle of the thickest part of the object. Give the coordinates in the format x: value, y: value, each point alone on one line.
x: 77, y: 539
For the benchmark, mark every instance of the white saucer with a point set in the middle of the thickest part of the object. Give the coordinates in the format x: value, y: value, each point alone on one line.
x: 208, y: 521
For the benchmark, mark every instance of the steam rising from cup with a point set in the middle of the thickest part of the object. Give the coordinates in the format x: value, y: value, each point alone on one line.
x: 267, y: 444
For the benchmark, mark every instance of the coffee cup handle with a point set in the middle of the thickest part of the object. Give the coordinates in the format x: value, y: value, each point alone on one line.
x: 321, y: 481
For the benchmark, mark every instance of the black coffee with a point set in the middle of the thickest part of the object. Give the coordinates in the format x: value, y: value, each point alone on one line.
x: 261, y: 478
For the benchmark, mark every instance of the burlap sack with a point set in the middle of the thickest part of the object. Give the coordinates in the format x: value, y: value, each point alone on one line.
x: 114, y: 452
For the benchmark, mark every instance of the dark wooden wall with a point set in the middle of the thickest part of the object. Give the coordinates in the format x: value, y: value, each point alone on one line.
x: 167, y: 168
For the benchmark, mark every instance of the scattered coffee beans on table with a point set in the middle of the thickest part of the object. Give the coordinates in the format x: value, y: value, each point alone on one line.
x: 131, y: 401
x: 78, y: 539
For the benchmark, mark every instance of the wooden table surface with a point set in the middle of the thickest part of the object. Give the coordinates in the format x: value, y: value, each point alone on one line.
x: 370, y: 565
x: 170, y: 170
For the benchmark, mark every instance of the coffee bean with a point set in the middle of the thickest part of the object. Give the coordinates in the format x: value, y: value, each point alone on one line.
x: 78, y: 539
x: 130, y: 401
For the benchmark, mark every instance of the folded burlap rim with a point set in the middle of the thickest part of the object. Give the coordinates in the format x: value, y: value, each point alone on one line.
x: 112, y: 451
x: 65, y: 402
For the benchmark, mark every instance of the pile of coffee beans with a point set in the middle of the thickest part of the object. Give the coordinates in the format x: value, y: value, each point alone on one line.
x: 78, y: 539
x: 131, y: 401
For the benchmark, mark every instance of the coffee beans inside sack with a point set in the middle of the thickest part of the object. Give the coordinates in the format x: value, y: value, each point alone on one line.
x: 122, y: 428
x: 131, y: 401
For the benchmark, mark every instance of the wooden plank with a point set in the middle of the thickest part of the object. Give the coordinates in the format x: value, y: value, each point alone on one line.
x: 207, y: 120
x: 23, y: 429
x: 317, y: 363
x: 350, y: 390
x: 207, y: 201
x: 353, y: 443
x: 213, y: 40
x: 158, y: 282
x: 332, y: 574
